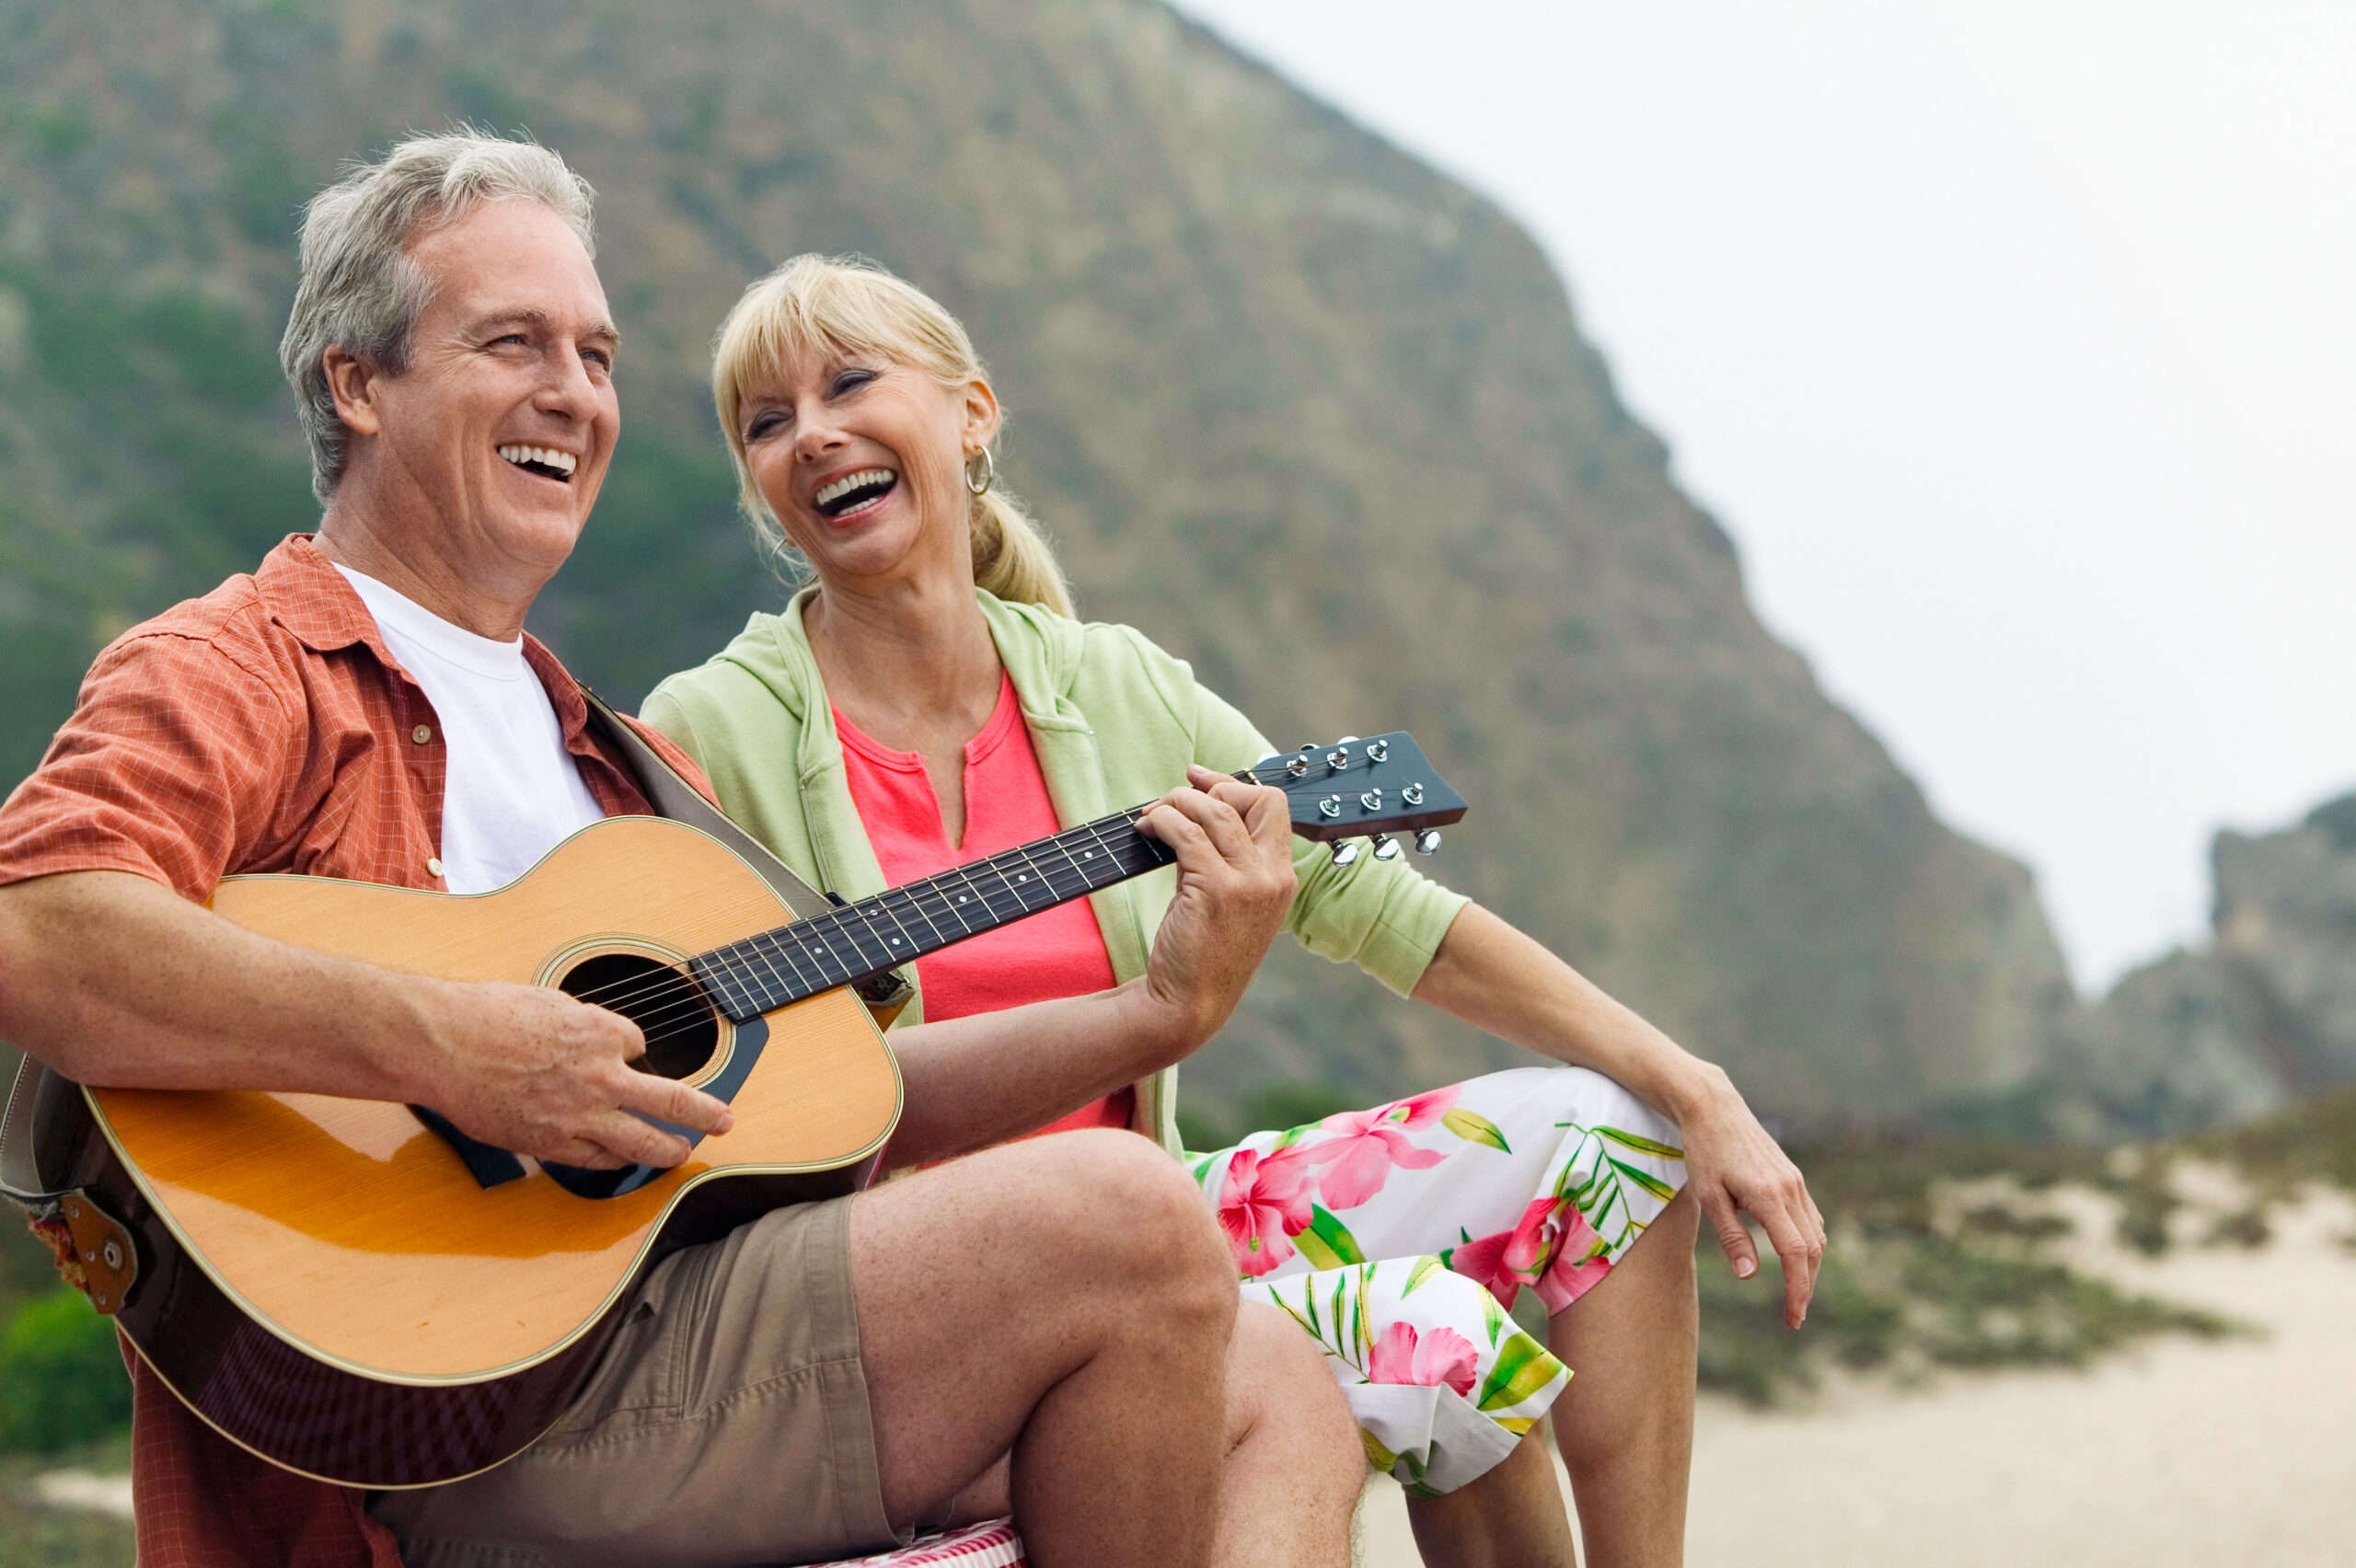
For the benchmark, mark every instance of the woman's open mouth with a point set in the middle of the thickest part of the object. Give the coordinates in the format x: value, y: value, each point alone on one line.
x: 854, y: 493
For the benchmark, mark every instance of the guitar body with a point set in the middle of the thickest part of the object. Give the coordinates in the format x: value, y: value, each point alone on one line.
x: 325, y: 1282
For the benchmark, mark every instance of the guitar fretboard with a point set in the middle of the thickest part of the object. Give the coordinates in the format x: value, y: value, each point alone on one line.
x: 857, y: 942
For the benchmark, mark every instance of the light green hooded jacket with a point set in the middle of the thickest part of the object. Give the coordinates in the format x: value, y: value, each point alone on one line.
x: 1113, y: 720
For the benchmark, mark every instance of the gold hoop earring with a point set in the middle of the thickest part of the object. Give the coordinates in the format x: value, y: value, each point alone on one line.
x: 989, y: 473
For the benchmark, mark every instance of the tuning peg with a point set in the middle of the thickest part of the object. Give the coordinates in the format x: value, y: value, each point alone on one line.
x: 1346, y: 852
x: 1427, y: 841
x: 1347, y: 739
x: 1377, y: 751
x: 1385, y: 847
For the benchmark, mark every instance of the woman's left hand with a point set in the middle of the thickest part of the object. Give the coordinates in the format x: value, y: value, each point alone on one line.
x: 1733, y: 1166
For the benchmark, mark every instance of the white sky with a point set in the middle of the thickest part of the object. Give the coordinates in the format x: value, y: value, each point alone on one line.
x: 2013, y: 341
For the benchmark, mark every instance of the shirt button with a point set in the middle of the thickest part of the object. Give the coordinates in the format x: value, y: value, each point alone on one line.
x: 432, y: 868
x: 421, y: 735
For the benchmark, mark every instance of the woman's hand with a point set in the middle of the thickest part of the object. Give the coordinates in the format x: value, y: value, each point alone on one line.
x: 1499, y: 980
x: 1235, y: 880
x: 1734, y: 1166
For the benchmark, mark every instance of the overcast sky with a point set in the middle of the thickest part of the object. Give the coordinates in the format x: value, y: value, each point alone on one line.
x: 2013, y: 341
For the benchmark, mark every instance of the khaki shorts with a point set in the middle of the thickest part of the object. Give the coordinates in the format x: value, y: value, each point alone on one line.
x: 728, y: 1424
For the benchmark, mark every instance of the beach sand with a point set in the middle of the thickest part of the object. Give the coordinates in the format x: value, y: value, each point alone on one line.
x: 2178, y: 1451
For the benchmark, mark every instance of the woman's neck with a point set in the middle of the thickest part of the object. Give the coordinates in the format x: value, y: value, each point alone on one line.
x: 911, y: 662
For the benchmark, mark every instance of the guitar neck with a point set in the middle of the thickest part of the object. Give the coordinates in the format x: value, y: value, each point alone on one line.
x: 857, y: 942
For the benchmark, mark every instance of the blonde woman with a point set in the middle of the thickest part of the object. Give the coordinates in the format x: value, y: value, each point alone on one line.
x: 929, y: 698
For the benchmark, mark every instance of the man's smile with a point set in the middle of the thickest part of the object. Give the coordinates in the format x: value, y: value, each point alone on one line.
x: 545, y: 461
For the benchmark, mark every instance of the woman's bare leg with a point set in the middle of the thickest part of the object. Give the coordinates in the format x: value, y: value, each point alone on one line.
x: 1294, y: 1464
x: 1625, y: 1424
x: 1511, y: 1517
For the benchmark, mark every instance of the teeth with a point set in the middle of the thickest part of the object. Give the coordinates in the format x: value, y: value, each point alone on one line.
x: 547, y: 456
x: 850, y: 482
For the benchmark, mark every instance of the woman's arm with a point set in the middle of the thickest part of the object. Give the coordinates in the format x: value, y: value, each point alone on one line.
x: 1500, y: 981
x: 979, y: 1080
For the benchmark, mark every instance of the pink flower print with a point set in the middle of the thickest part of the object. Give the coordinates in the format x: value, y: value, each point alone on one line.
x: 1439, y: 1358
x: 1581, y: 1261
x: 1510, y: 1258
x: 1367, y: 1144
x: 1263, y: 1203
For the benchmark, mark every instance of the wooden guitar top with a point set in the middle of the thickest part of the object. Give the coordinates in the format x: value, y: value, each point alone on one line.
x: 347, y: 1227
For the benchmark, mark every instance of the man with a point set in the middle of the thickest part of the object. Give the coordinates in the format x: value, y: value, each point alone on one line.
x: 366, y: 706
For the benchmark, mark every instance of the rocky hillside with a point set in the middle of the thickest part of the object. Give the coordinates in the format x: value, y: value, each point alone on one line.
x: 1306, y: 411
x: 2265, y: 1013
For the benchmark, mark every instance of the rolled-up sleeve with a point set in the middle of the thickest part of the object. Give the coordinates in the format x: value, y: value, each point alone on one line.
x: 169, y: 768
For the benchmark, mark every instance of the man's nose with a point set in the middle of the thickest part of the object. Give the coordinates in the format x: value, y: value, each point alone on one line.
x: 568, y: 389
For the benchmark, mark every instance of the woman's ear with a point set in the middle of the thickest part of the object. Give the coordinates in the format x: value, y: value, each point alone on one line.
x: 981, y: 415
x: 352, y: 381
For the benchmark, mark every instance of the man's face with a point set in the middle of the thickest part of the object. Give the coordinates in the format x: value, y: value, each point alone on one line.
x: 494, y: 440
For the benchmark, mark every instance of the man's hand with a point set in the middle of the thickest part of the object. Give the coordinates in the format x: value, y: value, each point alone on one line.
x: 1734, y: 1166
x: 532, y: 1070
x: 1235, y: 881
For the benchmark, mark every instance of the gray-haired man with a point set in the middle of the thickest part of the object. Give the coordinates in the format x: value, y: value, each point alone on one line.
x: 366, y: 706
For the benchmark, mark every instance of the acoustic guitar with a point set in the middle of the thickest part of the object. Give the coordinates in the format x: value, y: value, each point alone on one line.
x: 357, y: 1291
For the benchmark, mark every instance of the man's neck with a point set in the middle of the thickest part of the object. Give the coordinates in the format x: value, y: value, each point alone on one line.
x: 425, y: 577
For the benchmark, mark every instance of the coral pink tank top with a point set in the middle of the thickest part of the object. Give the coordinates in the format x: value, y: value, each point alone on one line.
x: 1057, y: 952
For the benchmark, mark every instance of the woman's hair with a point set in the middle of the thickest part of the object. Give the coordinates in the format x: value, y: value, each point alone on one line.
x: 844, y: 306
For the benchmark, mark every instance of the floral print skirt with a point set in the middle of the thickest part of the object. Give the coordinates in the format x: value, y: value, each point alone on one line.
x: 1397, y: 1237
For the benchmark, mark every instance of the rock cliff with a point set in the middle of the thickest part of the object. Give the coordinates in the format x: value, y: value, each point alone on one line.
x: 1314, y: 416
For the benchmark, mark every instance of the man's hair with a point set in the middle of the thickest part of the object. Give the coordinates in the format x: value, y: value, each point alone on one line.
x: 360, y: 291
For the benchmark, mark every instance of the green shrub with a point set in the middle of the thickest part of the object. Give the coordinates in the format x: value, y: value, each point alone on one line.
x: 62, y: 1380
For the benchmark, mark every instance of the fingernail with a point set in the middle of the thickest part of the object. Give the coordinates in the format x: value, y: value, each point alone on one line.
x: 1745, y: 1269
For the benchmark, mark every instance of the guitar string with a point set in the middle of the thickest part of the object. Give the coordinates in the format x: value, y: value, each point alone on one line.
x: 685, y: 996
x: 694, y: 1007
x: 691, y: 993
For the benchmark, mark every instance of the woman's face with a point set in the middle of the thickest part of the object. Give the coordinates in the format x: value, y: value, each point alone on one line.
x: 863, y: 461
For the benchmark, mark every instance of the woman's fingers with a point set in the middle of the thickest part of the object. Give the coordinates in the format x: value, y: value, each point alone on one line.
x: 1733, y: 1236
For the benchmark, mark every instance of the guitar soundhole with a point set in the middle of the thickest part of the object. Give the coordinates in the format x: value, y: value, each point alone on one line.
x: 681, y: 1029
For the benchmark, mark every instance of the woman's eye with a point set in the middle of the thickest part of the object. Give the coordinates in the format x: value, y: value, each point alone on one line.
x: 851, y: 381
x: 763, y: 425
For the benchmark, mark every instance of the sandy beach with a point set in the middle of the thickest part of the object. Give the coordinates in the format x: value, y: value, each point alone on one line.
x: 2180, y: 1452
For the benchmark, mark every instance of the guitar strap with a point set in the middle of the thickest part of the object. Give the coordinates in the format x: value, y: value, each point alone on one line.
x: 42, y: 1104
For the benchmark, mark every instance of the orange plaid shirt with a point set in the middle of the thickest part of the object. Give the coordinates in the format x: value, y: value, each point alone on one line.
x: 262, y: 728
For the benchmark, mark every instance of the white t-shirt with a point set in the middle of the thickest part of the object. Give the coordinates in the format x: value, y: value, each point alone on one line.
x: 513, y: 792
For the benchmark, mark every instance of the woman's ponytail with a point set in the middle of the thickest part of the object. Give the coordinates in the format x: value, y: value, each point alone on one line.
x: 1011, y: 559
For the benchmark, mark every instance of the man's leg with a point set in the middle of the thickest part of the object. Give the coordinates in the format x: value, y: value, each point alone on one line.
x: 1625, y: 1424
x: 1067, y: 1299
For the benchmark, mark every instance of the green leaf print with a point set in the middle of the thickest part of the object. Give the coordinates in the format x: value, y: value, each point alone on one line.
x: 1648, y: 1180
x: 1327, y: 1243
x: 1492, y: 1316
x: 1523, y: 1368
x: 1642, y: 1145
x: 1425, y: 1268
x: 1473, y: 1127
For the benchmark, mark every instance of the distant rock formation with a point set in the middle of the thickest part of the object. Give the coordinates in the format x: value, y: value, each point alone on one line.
x: 2265, y: 1013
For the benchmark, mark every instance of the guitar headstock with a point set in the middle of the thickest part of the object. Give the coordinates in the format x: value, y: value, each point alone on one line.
x: 1364, y: 789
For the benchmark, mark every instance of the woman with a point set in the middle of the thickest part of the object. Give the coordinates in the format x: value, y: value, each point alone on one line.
x: 929, y: 700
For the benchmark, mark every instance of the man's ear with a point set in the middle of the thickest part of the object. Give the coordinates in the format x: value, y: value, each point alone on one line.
x: 353, y: 383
